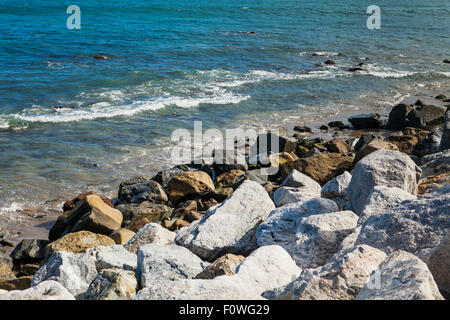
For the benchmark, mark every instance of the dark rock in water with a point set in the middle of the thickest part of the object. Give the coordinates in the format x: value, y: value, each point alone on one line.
x: 366, y: 121
x: 419, y: 103
x: 324, y: 127
x: 29, y: 250
x: 330, y: 62
x: 355, y: 69
x: 140, y: 189
x: 70, y: 204
x: 337, y: 124
x: 163, y: 177
x: 302, y: 129
x: 263, y: 144
x: 69, y: 106
x: 440, y: 97
x: 445, y: 141
x: 426, y: 116
x: 446, y: 100
x: 226, y: 161
x: 365, y: 139
x: 446, y: 61
x: 397, y: 116
x: 360, y: 64
x: 100, y: 57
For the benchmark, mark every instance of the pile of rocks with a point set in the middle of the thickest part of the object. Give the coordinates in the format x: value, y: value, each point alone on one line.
x: 349, y: 218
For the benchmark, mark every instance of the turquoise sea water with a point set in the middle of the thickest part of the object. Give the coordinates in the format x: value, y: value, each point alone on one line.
x: 69, y: 122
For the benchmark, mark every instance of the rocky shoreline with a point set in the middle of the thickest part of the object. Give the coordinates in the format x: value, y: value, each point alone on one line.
x: 364, y: 215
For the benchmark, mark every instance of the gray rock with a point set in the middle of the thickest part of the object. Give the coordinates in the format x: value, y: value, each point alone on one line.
x: 310, y: 236
x: 163, y: 177
x: 381, y: 199
x: 46, y: 290
x: 141, y: 189
x: 340, y: 279
x: 445, y: 141
x: 229, y: 227
x: 337, y: 187
x: 417, y: 226
x: 75, y: 272
x: 113, y: 284
x: 166, y: 262
x: 402, y: 276
x: 439, y: 265
x: 29, y: 250
x: 150, y: 233
x: 295, y: 187
x: 107, y: 257
x: 382, y: 168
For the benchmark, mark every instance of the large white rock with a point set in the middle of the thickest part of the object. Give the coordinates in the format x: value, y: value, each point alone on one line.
x: 402, y: 276
x: 265, y: 269
x: 46, y: 290
x: 113, y: 284
x: 116, y: 256
x: 439, y: 265
x: 295, y: 187
x: 417, y: 226
x: 337, y: 187
x: 229, y: 227
x: 340, y: 279
x: 150, y: 233
x: 75, y: 272
x: 167, y: 262
x: 381, y: 199
x: 310, y: 231
x: 382, y: 168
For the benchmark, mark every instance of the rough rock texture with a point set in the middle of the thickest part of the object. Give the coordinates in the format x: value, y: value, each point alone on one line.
x: 150, y: 233
x: 229, y: 179
x: 166, y: 262
x: 340, y: 279
x: 310, y: 231
x: 163, y: 177
x: 113, y: 284
x: 338, y: 145
x: 6, y: 272
x: 337, y: 187
x: 435, y: 172
x: 20, y: 283
x: 417, y: 226
x: 426, y: 116
x: 225, y: 265
x: 75, y: 272
x: 70, y: 204
x: 78, y: 242
x: 122, y: 236
x: 229, y: 227
x: 445, y: 141
x: 46, y: 290
x: 152, y: 211
x: 141, y: 189
x: 366, y: 121
x: 439, y: 265
x: 116, y: 256
x: 382, y: 168
x: 402, y: 276
x: 266, y: 268
x: 189, y: 184
x: 381, y: 199
x: 372, y: 146
x: 29, y: 250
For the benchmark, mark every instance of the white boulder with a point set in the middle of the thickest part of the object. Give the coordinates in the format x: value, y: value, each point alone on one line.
x: 116, y: 256
x: 150, y: 233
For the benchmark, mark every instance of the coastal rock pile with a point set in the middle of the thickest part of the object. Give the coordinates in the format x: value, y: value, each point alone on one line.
x: 363, y: 216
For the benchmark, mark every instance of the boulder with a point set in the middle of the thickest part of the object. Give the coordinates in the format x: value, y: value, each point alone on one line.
x: 153, y: 212
x: 78, y: 242
x: 71, y: 204
x: 229, y: 227
x: 150, y: 233
x: 417, y: 226
x: 46, y: 290
x: 445, y: 141
x: 116, y: 256
x: 426, y: 117
x: 402, y: 276
x: 337, y: 187
x: 381, y: 168
x: 74, y: 272
x: 365, y: 139
x: 397, y: 116
x: 405, y: 143
x: 340, y: 279
x: 320, y: 167
x: 166, y: 262
x: 265, y: 269
x: 29, y: 250
x: 338, y: 145
x: 141, y: 189
x: 229, y: 179
x: 382, y: 199
x: 225, y: 265
x: 113, y: 284
x: 189, y: 185
x: 366, y: 121
x: 439, y: 265
x: 373, y: 146
x: 163, y: 177
x: 122, y: 236
x: 90, y: 214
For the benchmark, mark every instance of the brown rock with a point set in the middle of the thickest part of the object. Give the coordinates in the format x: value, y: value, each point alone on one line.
x: 208, y: 204
x: 78, y: 242
x: 5, y: 271
x: 183, y: 208
x: 228, y: 179
x: 338, y: 145
x: 21, y: 283
x: 149, y: 210
x: 28, y: 269
x: 137, y: 223
x: 189, y: 185
x: 373, y: 146
x: 434, y: 182
x: 122, y: 236
x: 70, y: 204
x: 405, y: 143
x: 225, y: 265
x: 178, y: 224
x: 191, y: 216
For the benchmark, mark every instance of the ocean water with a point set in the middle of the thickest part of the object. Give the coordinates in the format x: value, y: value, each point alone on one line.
x: 69, y: 122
